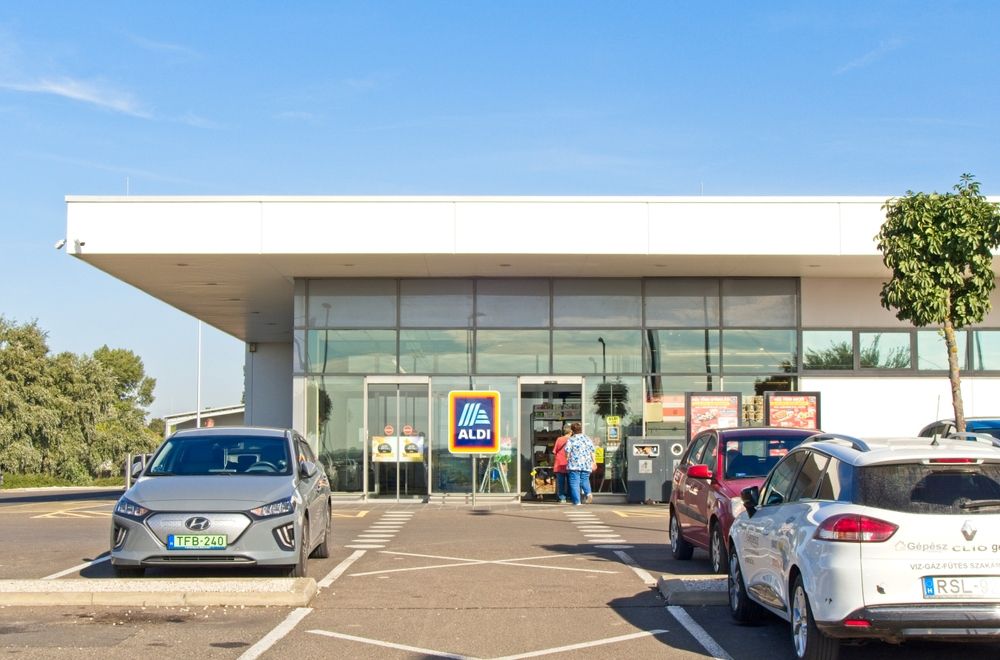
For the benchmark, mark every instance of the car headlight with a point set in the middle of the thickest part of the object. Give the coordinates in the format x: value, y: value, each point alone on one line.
x: 279, y: 508
x: 129, y: 509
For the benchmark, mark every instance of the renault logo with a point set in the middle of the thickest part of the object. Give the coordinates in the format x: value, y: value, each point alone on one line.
x: 968, y: 531
x: 199, y: 524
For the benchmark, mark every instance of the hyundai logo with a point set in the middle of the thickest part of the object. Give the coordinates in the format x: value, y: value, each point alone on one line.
x: 197, y: 524
x: 968, y: 531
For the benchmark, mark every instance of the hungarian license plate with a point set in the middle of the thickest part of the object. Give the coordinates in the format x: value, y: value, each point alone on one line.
x: 967, y: 586
x: 196, y: 542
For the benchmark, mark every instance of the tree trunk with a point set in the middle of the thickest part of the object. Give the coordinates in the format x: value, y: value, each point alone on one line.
x: 953, y: 376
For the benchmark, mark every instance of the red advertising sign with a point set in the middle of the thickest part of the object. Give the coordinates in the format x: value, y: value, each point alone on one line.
x: 708, y: 410
x: 798, y: 410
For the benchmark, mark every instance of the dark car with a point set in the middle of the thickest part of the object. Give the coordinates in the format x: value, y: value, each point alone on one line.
x: 945, y: 427
x: 705, y: 497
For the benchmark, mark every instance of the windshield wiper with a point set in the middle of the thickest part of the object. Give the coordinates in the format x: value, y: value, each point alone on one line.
x: 979, y: 504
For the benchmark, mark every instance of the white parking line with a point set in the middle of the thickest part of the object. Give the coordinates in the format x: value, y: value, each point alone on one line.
x: 642, y: 573
x: 273, y: 637
x: 76, y: 569
x: 339, y: 570
x: 517, y: 656
x: 292, y: 620
x: 696, y: 631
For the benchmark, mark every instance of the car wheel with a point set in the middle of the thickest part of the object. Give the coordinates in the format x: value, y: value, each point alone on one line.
x: 298, y: 569
x: 809, y: 641
x: 717, y: 554
x: 129, y: 571
x: 741, y: 607
x: 679, y: 548
x: 322, y: 550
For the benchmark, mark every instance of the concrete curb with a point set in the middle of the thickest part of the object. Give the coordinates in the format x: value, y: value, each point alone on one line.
x: 693, y: 590
x: 285, y: 592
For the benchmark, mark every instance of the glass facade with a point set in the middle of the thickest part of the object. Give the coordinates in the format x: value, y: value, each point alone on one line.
x: 628, y: 344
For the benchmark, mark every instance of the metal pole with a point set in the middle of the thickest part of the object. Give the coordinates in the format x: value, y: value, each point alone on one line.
x: 197, y: 412
x: 474, y: 461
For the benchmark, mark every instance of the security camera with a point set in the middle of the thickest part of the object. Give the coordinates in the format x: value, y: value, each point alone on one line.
x: 60, y: 243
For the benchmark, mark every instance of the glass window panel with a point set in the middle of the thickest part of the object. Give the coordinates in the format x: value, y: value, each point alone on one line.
x: 663, y: 411
x: 352, y: 351
x: 759, y: 302
x: 757, y: 351
x: 596, y: 303
x: 435, y: 303
x: 434, y: 351
x: 682, y: 351
x: 827, y: 349
x: 512, y: 352
x: 299, y: 351
x: 884, y: 350
x: 621, y: 396
x: 932, y: 352
x: 334, y: 417
x: 512, y: 303
x: 583, y: 352
x: 986, y: 350
x: 352, y: 303
x: 299, y: 305
x: 683, y: 302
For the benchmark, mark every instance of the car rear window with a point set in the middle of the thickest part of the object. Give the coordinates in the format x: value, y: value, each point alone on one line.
x: 917, y: 488
x: 754, y: 456
x: 221, y: 454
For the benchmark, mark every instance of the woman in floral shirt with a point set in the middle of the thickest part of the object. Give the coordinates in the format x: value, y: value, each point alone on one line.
x: 579, y: 462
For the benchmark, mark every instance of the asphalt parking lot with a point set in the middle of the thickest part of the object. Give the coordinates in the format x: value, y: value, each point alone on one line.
x: 501, y: 580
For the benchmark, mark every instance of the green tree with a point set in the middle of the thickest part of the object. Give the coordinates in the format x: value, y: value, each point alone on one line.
x: 939, y: 248
x: 68, y: 415
x: 132, y: 383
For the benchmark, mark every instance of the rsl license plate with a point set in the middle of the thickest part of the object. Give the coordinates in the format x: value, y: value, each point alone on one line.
x: 966, y: 586
x: 196, y: 542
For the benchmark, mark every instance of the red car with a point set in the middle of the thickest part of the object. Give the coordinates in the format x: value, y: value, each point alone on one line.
x: 705, y: 497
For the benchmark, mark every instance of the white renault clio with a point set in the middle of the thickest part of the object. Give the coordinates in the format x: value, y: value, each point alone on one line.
x: 887, y: 539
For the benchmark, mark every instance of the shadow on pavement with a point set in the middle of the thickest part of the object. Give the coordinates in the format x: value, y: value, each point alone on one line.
x: 37, y: 496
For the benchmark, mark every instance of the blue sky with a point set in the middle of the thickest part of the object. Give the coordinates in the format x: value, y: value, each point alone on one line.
x: 468, y: 98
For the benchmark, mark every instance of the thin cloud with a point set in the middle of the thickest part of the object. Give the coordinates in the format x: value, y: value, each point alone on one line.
x: 870, y: 57
x: 101, y: 95
x: 163, y: 47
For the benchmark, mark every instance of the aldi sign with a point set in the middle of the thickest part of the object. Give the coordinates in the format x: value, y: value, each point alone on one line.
x: 473, y: 422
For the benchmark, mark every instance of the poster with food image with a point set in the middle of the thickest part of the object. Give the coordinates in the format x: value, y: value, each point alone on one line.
x: 711, y: 410
x: 412, y: 449
x: 799, y: 410
x: 384, y: 448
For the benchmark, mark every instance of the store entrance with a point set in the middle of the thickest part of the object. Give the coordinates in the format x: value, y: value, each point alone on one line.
x: 547, y: 406
x: 397, y: 415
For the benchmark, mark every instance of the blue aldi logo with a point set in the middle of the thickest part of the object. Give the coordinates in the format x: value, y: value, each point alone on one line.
x: 473, y: 422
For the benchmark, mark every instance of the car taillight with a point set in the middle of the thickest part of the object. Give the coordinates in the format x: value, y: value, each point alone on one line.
x: 855, y: 528
x: 953, y: 460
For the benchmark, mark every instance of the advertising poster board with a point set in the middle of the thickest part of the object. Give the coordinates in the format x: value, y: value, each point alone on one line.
x: 384, y: 448
x: 412, y: 449
x: 798, y: 410
x: 711, y: 410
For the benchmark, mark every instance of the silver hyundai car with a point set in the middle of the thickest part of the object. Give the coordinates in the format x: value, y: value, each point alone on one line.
x: 225, y: 496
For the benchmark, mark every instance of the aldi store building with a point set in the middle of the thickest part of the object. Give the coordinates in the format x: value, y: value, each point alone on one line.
x: 361, y: 314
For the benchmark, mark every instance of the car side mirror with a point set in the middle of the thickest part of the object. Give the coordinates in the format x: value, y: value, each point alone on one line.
x: 751, y: 498
x: 699, y: 472
x: 307, y: 469
x: 136, y: 469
